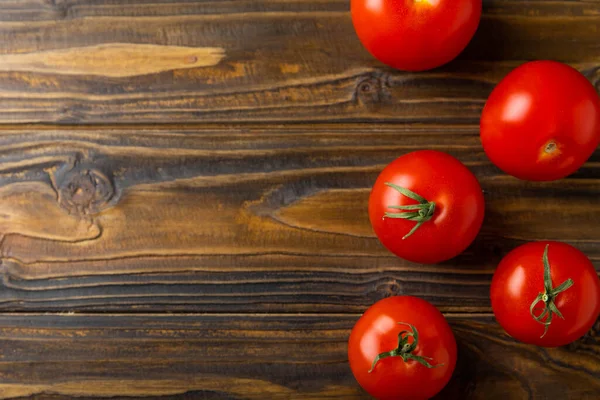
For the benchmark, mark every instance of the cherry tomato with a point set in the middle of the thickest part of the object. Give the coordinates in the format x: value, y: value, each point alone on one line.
x: 402, y: 348
x: 426, y: 207
x: 542, y: 121
x: 546, y: 293
x: 415, y: 35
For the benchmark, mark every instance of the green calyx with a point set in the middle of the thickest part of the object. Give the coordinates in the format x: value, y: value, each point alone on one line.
x: 405, y: 349
x: 548, y: 297
x: 419, y: 213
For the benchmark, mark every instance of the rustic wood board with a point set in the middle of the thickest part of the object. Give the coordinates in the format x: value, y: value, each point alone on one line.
x: 253, y: 218
x: 282, y: 60
x: 183, y: 190
x: 249, y: 356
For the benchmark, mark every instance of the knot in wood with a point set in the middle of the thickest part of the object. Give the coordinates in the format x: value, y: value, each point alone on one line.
x: 390, y: 288
x: 370, y: 91
x: 85, y: 191
x: 366, y: 86
x: 191, y: 59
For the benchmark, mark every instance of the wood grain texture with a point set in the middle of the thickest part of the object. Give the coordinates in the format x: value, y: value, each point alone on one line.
x: 294, y: 61
x: 115, y: 60
x: 248, y: 219
x: 258, y: 356
x: 183, y: 198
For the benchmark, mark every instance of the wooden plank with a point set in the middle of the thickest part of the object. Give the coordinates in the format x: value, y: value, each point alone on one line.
x: 248, y: 219
x: 299, y: 60
x: 253, y: 356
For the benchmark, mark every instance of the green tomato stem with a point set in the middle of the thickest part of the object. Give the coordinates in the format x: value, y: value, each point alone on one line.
x: 405, y: 349
x: 419, y: 213
x: 548, y: 297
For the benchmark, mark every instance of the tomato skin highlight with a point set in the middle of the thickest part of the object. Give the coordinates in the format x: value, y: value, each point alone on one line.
x: 392, y: 378
x: 415, y: 35
x: 519, y: 279
x: 541, y: 122
x: 440, y: 178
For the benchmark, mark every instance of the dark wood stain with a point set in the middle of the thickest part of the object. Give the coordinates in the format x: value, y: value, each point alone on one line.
x: 251, y: 356
x: 194, y: 226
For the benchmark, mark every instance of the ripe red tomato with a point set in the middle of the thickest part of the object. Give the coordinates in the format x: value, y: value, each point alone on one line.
x: 572, y: 288
x: 402, y: 348
x: 426, y: 207
x: 415, y: 35
x: 542, y: 121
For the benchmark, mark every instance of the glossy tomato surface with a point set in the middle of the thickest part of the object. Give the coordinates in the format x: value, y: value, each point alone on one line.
x: 415, y: 35
x: 542, y: 121
x: 519, y: 279
x: 439, y: 178
x: 393, y: 378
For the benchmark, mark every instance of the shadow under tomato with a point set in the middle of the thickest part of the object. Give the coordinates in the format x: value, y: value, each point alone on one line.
x: 590, y: 170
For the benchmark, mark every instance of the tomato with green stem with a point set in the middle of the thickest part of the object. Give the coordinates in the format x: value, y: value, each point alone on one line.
x: 546, y: 293
x: 426, y: 207
x: 402, y: 348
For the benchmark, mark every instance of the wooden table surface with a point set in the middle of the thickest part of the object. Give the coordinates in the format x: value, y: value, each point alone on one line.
x: 183, y: 198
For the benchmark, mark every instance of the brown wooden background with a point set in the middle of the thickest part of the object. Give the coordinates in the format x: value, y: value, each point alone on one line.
x: 183, y: 191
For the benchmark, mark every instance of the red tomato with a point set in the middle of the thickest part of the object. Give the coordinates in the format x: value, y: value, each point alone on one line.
x: 572, y: 289
x: 415, y: 35
x: 420, y: 366
x: 542, y: 121
x: 437, y: 224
